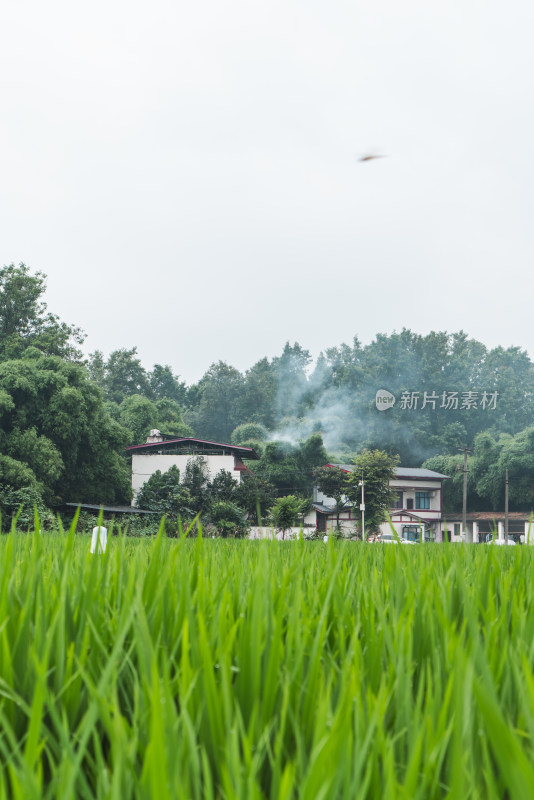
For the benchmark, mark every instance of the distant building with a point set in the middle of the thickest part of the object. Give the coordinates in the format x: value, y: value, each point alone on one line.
x: 418, y: 509
x: 161, y: 452
x: 485, y: 525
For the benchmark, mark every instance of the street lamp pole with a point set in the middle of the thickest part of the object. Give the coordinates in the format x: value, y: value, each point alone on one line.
x: 362, y: 509
x: 506, y: 507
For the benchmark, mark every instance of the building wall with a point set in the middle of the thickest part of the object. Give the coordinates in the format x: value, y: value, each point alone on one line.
x: 143, y: 466
x: 409, y: 487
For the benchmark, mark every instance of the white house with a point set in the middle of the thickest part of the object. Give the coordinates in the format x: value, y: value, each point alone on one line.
x: 418, y: 509
x: 162, y: 452
x: 484, y: 525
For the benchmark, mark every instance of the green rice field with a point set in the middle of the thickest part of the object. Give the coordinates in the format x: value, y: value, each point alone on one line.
x: 200, y: 668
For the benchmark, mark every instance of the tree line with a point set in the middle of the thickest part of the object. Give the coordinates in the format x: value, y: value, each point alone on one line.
x: 65, y: 418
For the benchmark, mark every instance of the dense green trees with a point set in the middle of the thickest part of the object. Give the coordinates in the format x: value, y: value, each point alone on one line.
x: 217, y: 412
x: 165, y: 494
x: 55, y: 433
x: 217, y: 501
x: 25, y: 320
x: 288, y: 467
x: 486, y: 472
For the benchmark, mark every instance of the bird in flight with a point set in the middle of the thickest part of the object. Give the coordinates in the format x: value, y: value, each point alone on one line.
x: 370, y: 157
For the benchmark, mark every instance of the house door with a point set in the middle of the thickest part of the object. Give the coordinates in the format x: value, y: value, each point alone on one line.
x: 321, y: 522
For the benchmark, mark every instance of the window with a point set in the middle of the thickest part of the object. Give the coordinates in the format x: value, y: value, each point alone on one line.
x: 409, y: 503
x: 411, y: 532
x: 422, y: 500
x: 398, y: 502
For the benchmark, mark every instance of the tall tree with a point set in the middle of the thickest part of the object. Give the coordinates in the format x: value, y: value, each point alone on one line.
x: 196, y: 481
x: 53, y: 421
x: 260, y: 388
x: 291, y: 374
x: 218, y: 411
x: 286, y: 512
x: 140, y: 415
x: 332, y: 482
x: 255, y: 496
x: 124, y: 375
x: 25, y: 320
x: 164, y: 384
x: 376, y: 468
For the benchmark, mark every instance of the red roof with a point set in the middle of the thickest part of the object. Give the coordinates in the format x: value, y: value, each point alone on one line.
x: 242, y: 452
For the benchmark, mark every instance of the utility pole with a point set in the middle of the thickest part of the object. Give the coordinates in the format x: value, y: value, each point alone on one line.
x: 362, y: 509
x: 506, y: 507
x: 468, y: 534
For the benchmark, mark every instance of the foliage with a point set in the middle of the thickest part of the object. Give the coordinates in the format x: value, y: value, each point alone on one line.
x: 140, y: 415
x: 289, y: 468
x: 228, y: 519
x: 123, y: 375
x: 249, y: 431
x: 453, y: 467
x: 377, y: 469
x: 312, y: 454
x: 216, y: 413
x: 25, y: 321
x: 332, y: 482
x: 21, y: 503
x: 134, y: 525
x: 53, y: 424
x: 165, y: 385
x: 486, y: 473
x: 286, y: 511
x: 255, y: 496
x: 223, y: 487
x: 164, y: 493
x: 346, y: 671
x: 259, y: 393
x: 196, y: 481
x: 170, y: 420
x: 279, y: 466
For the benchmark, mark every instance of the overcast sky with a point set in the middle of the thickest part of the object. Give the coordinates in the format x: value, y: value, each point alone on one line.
x: 187, y: 174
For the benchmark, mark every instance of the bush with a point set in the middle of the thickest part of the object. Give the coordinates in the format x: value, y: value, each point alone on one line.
x: 249, y: 431
x: 229, y: 519
x: 25, y: 501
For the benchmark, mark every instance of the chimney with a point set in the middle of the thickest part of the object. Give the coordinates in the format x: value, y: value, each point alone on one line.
x: 154, y: 436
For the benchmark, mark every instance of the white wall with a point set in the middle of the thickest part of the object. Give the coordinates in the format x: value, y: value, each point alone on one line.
x: 143, y: 466
x: 410, y: 486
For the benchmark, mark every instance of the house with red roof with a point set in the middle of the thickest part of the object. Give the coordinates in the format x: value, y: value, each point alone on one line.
x: 161, y: 452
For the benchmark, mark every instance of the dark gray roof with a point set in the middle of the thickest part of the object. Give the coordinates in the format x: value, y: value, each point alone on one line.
x: 415, y: 472
x: 402, y: 472
x: 110, y: 509
x: 323, y: 509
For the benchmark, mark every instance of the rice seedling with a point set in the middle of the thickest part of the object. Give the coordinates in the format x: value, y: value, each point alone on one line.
x: 195, y: 668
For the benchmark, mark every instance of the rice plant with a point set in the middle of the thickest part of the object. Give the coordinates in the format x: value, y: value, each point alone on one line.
x: 197, y: 668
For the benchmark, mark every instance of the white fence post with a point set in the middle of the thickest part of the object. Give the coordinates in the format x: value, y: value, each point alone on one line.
x: 99, y: 540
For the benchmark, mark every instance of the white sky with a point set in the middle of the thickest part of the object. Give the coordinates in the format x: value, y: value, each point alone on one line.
x: 186, y: 173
